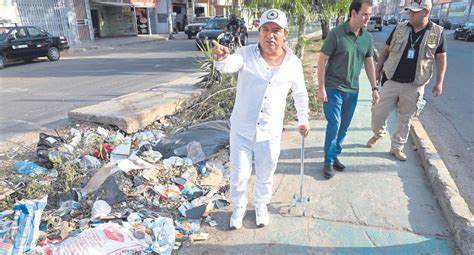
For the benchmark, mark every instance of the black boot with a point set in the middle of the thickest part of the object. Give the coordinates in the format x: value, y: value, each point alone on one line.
x: 328, y: 172
x: 338, y: 166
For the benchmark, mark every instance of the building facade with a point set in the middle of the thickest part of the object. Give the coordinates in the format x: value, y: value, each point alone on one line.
x: 84, y: 20
x: 68, y: 18
x: 454, y: 11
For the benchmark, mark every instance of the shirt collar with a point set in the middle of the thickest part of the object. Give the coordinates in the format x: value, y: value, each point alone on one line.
x: 428, y: 27
x: 347, y: 29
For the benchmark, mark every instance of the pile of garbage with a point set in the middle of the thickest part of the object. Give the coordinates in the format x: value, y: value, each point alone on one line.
x: 101, y: 191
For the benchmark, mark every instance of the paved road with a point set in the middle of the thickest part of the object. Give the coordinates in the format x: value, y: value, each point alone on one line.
x: 39, y: 95
x: 448, y: 119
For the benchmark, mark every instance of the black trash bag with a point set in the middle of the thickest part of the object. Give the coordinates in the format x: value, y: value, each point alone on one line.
x: 114, y: 187
x: 212, y: 135
x: 45, y: 144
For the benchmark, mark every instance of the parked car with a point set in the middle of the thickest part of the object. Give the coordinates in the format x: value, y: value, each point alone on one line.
x: 215, y: 27
x: 455, y: 25
x: 435, y: 20
x: 378, y: 22
x: 256, y: 23
x: 385, y: 22
x: 27, y: 43
x: 392, y: 21
x: 445, y: 23
x: 196, y: 26
x: 371, y: 26
x: 466, y: 31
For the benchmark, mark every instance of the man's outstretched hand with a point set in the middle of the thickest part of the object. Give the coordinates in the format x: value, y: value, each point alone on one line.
x: 219, y: 52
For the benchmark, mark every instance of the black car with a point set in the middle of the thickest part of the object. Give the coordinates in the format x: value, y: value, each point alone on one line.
x: 435, y: 20
x: 196, y: 26
x: 466, y: 31
x: 216, y: 26
x: 27, y: 43
x: 392, y: 21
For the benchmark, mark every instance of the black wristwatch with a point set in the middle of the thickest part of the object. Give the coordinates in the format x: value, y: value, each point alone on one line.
x: 375, y: 88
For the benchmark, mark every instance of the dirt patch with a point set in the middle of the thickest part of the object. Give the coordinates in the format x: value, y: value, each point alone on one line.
x: 310, y: 69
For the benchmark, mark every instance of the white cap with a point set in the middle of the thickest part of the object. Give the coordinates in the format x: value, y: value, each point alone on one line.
x: 418, y: 5
x: 276, y: 16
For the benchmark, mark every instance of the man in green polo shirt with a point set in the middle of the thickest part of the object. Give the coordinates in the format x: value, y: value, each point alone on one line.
x: 346, y: 48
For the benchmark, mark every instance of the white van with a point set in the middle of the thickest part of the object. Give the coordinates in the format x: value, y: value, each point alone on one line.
x: 378, y: 22
x: 371, y: 26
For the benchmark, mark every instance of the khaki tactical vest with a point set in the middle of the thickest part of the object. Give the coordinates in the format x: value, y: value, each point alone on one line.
x: 426, y: 56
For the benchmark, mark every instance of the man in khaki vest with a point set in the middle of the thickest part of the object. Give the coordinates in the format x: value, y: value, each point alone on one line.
x: 407, y: 61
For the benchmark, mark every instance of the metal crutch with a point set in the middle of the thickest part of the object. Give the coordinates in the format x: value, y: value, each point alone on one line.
x: 300, y: 200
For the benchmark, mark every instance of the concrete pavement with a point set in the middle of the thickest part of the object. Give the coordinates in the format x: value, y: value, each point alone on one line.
x: 378, y: 205
x: 112, y: 43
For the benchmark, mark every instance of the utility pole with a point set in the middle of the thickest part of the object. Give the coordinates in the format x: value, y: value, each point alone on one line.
x: 170, y: 19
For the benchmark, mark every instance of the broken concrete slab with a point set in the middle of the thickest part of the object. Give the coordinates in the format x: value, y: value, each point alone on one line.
x: 135, y: 111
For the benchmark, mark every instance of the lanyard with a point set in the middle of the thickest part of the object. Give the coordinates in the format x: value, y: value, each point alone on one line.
x: 417, y: 39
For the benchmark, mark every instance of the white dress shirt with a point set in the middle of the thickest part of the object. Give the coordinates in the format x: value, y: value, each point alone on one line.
x: 260, y: 101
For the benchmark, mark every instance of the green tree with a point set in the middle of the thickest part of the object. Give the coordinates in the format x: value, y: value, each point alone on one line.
x: 328, y: 9
x: 298, y: 11
x: 303, y: 11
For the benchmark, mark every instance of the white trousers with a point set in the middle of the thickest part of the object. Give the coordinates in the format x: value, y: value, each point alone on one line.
x: 265, y: 155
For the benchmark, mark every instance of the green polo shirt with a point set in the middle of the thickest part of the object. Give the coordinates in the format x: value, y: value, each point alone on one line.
x: 347, y: 53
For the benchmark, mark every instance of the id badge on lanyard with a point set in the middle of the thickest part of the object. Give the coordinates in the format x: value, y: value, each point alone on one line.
x: 411, y: 50
x: 411, y: 53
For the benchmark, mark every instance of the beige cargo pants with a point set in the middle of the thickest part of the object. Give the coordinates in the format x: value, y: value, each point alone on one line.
x: 403, y: 96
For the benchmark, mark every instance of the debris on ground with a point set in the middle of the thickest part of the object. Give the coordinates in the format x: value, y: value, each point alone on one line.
x: 109, y: 192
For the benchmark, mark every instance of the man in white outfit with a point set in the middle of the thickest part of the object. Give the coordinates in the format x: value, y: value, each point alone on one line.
x: 266, y: 73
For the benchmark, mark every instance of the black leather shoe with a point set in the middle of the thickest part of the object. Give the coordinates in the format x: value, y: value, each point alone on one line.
x: 328, y: 172
x: 338, y: 166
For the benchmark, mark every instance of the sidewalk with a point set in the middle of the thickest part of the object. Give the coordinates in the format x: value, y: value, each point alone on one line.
x: 377, y: 206
x: 113, y: 42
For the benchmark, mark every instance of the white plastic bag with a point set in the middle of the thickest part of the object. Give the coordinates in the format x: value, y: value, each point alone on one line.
x: 109, y: 238
x: 100, y: 209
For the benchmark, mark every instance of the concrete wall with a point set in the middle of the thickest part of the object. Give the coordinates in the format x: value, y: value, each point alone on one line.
x: 8, y: 12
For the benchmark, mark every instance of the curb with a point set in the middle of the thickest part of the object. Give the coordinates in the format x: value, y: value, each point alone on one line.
x: 454, y: 207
